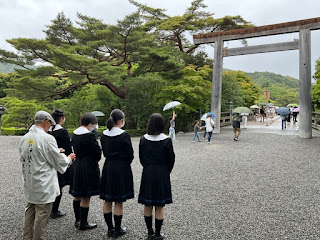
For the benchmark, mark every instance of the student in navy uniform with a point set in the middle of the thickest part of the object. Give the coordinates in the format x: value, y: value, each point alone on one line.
x: 85, y: 175
x: 157, y: 158
x: 117, y: 179
x: 63, y: 140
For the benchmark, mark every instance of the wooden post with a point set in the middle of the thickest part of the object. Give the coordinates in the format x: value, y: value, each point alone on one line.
x: 305, y: 124
x: 217, y: 83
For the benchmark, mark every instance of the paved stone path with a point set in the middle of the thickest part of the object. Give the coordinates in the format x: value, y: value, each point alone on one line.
x: 265, y: 186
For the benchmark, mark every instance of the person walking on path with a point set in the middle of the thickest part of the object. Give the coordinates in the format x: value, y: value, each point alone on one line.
x: 283, y: 121
x: 172, y: 133
x: 85, y: 174
x: 262, y: 114
x: 196, y: 128
x: 245, y: 120
x: 117, y: 179
x: 63, y: 140
x: 157, y: 158
x: 294, y: 115
x: 41, y: 159
x: 209, y: 127
x: 236, y: 126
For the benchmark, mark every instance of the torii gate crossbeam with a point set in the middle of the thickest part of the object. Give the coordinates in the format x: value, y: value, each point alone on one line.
x: 303, y: 44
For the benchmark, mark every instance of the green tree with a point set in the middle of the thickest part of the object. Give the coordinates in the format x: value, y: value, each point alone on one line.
x: 20, y: 113
x: 93, y: 52
x: 316, y: 87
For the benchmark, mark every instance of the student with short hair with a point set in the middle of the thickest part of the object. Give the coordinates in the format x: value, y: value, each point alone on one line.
x: 85, y: 174
x: 157, y: 158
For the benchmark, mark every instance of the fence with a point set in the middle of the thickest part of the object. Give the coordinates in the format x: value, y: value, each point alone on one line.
x: 225, y: 119
x: 316, y: 120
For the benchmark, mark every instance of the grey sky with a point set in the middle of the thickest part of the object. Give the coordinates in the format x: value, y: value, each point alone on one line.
x: 27, y: 18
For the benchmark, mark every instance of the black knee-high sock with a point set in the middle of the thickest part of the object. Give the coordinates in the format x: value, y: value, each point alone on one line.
x: 55, y: 206
x: 117, y: 222
x: 148, y: 220
x: 158, y: 225
x: 76, y: 209
x: 108, y: 219
x: 84, y: 215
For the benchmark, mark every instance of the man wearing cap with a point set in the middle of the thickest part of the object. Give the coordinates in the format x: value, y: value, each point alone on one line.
x: 41, y: 159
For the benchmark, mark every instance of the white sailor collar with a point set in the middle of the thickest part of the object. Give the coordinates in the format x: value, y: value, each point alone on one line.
x: 115, y: 131
x: 57, y: 127
x: 159, y: 137
x: 81, y: 130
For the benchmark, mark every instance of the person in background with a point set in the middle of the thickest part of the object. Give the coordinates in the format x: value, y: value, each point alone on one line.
x: 157, y: 158
x: 196, y: 128
x: 209, y: 127
x: 85, y: 174
x: 283, y: 121
x: 245, y: 120
x: 41, y: 159
x: 63, y: 140
x: 117, y: 178
x: 172, y: 133
x: 236, y: 126
x: 262, y: 114
x: 294, y: 115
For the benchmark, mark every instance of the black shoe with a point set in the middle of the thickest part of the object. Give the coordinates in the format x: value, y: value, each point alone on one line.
x: 110, y: 233
x: 158, y: 237
x: 150, y: 237
x: 77, y: 223
x: 58, y: 214
x: 120, y: 232
x: 87, y: 226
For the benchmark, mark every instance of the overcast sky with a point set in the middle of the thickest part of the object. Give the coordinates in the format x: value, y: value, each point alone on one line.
x: 27, y: 18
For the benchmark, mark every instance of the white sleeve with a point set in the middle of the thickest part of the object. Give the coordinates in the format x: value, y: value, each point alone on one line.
x: 58, y: 160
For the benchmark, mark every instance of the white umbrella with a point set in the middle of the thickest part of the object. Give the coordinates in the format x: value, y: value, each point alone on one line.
x: 170, y: 105
x: 98, y: 113
x: 254, y: 106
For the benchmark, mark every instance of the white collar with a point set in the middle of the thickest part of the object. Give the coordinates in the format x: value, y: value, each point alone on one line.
x: 57, y: 127
x: 115, y: 131
x: 159, y: 137
x: 81, y: 130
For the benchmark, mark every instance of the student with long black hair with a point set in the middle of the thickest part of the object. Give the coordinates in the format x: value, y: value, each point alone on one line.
x: 85, y: 174
x: 63, y: 140
x: 157, y: 158
x: 117, y: 179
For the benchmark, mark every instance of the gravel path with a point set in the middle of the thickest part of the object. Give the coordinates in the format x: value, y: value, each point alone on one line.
x: 265, y: 186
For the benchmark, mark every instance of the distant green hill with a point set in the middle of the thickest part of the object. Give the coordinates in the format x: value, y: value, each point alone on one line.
x: 268, y: 79
x: 283, y: 89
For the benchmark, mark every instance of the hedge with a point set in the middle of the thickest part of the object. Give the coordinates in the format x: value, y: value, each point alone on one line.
x: 22, y: 131
x: 13, y: 131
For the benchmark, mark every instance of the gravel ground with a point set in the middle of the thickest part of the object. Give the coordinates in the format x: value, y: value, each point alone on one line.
x: 265, y: 186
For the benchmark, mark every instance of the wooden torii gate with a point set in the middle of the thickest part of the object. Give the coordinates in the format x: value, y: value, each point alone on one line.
x: 303, y: 44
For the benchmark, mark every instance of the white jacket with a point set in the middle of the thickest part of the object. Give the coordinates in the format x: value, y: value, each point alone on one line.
x: 209, y: 124
x: 41, y: 159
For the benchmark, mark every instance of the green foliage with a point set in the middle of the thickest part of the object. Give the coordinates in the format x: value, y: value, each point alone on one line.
x: 13, y: 131
x: 283, y: 89
x: 238, y: 88
x: 20, y: 113
x: 316, y: 86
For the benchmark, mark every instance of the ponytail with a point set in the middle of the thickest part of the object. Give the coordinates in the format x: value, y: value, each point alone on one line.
x: 110, y: 123
x: 115, y: 116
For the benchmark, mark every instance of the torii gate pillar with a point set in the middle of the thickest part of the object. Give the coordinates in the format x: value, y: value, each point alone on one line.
x: 305, y: 118
x: 217, y: 83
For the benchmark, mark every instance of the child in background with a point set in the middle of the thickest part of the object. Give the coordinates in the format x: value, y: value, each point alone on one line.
x: 196, y: 128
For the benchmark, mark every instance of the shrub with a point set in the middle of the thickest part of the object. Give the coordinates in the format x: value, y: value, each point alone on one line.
x: 13, y: 131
